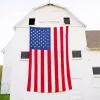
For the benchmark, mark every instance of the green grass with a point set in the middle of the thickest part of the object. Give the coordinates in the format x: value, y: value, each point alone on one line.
x: 0, y: 76
x: 0, y: 72
x: 4, y: 97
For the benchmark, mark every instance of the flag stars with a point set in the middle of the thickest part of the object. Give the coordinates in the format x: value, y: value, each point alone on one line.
x: 40, y: 38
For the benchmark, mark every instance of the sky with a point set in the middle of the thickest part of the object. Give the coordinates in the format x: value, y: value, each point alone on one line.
x: 11, y: 11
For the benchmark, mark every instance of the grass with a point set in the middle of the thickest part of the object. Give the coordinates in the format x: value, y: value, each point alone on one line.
x: 0, y: 72
x: 4, y: 97
x: 0, y: 76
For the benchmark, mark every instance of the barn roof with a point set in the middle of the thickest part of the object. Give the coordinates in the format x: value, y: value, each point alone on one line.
x: 93, y: 39
x: 52, y: 4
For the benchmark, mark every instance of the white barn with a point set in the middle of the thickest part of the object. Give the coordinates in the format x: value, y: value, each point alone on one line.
x: 85, y: 85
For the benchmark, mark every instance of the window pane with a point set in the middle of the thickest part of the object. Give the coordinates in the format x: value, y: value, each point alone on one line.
x: 24, y: 55
x: 31, y: 21
x: 67, y: 20
x: 96, y: 70
x: 76, y: 54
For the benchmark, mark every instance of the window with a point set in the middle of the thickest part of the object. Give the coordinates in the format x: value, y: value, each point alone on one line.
x: 31, y: 21
x: 24, y: 55
x: 96, y: 70
x: 67, y: 20
x: 76, y: 54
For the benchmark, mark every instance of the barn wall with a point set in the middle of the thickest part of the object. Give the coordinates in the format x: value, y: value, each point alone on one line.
x: 6, y: 71
x: 83, y: 81
x: 78, y: 67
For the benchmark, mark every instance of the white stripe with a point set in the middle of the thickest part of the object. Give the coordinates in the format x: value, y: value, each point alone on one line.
x: 39, y: 71
x: 59, y: 59
x: 32, y: 72
x: 45, y: 72
x: 52, y: 61
x: 64, y: 37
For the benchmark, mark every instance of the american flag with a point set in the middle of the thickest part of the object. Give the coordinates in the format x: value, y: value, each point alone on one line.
x: 49, y: 69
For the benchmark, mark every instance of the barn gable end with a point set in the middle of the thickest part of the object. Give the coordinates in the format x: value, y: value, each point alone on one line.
x: 48, y: 14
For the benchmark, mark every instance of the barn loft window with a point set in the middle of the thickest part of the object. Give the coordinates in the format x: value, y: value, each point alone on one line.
x: 76, y: 54
x: 96, y: 70
x: 67, y: 20
x: 31, y: 21
x: 24, y: 55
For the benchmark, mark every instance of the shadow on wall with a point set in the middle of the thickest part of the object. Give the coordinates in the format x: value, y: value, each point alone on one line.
x: 0, y: 75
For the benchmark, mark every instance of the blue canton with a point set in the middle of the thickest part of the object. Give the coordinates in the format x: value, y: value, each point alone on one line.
x: 39, y: 38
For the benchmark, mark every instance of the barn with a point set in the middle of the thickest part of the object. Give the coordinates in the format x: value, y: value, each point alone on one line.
x: 82, y: 57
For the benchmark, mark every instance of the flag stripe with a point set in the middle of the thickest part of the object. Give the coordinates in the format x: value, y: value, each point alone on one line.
x: 42, y: 70
x: 65, y: 66
x: 29, y: 71
x: 56, y: 60
x: 32, y: 72
x: 67, y: 61
x: 52, y: 60
x: 62, y: 58
x: 49, y: 71
x: 35, y: 70
x: 45, y: 72
x: 59, y: 59
x: 39, y: 70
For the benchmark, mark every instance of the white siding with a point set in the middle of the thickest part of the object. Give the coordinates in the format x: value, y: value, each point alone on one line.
x: 81, y: 69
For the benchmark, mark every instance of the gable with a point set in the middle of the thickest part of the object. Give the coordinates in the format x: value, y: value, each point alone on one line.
x: 49, y: 15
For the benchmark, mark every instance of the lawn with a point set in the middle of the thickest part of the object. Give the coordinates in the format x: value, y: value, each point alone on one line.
x: 0, y: 76
x: 0, y: 72
x: 4, y: 97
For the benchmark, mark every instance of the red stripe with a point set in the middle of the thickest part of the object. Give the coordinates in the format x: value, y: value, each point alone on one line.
x: 49, y: 72
x: 29, y: 71
x: 42, y: 70
x: 62, y: 59
x: 35, y: 70
x: 67, y: 61
x: 56, y: 60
